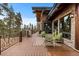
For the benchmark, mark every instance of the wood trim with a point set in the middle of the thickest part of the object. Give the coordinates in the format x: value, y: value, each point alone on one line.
x: 64, y: 14
x: 77, y: 27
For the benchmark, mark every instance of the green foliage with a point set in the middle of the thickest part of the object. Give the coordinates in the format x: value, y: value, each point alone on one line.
x: 48, y: 37
x: 11, y: 24
x: 56, y: 36
x: 43, y: 34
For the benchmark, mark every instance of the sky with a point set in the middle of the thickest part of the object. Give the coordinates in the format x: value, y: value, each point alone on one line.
x: 26, y: 11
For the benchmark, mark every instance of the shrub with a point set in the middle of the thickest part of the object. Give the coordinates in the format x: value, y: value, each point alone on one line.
x: 48, y: 37
x: 56, y: 36
x: 43, y: 34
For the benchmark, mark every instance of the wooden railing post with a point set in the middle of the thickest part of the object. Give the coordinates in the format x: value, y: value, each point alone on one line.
x: 0, y: 45
x: 20, y: 37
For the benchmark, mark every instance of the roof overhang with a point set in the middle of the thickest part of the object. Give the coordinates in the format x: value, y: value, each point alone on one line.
x: 42, y: 10
x: 53, y: 10
x: 45, y: 12
x: 39, y: 9
x: 56, y: 10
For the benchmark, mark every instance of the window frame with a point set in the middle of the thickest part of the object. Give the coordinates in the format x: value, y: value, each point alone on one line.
x: 65, y: 33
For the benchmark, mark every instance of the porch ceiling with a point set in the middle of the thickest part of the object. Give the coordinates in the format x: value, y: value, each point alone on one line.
x: 58, y: 10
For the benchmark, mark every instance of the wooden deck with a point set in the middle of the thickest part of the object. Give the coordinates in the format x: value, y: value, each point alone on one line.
x: 34, y: 46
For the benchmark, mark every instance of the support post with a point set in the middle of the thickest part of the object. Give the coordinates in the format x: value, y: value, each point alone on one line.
x: 20, y: 38
x: 0, y: 45
x: 58, y: 25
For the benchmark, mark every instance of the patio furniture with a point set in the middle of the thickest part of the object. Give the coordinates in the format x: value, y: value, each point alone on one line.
x: 29, y: 33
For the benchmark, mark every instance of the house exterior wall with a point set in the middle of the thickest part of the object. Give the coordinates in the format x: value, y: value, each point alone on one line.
x: 70, y: 9
x: 77, y: 27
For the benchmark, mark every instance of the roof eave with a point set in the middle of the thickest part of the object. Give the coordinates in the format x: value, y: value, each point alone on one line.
x: 53, y: 10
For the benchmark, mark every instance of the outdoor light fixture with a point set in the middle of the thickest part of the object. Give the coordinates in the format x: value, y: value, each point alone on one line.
x: 71, y: 15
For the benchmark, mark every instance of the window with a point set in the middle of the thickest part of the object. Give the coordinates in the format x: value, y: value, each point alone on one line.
x: 65, y: 26
x: 56, y: 25
x: 61, y: 25
x: 48, y: 27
